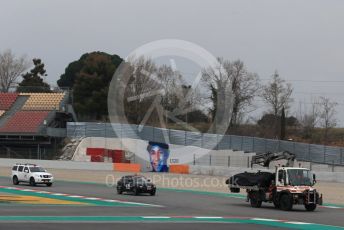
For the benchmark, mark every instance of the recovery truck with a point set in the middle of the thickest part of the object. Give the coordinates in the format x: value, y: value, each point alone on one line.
x: 286, y: 187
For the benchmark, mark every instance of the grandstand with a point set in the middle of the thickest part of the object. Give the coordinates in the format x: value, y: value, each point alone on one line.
x: 33, y: 124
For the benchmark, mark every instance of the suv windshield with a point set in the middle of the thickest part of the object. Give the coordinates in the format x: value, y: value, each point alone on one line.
x: 36, y: 169
x: 300, y: 177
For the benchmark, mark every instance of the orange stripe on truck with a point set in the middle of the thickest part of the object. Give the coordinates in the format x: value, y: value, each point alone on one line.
x: 182, y: 169
x: 126, y: 167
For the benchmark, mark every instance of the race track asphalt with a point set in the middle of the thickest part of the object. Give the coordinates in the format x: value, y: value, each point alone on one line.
x: 183, y: 207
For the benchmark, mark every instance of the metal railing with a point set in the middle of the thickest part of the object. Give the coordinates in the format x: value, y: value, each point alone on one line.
x: 304, y: 152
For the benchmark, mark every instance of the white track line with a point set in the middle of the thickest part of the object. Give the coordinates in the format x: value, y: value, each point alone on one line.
x: 262, y: 219
x: 208, y: 217
x: 296, y: 222
x: 59, y: 194
x: 92, y: 198
x: 75, y: 196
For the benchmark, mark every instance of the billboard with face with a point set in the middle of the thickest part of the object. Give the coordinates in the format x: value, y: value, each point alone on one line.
x: 158, y: 156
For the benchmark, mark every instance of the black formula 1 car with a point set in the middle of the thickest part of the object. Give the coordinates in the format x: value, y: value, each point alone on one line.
x: 136, y: 185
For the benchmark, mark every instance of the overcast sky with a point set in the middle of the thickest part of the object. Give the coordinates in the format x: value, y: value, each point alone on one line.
x: 302, y: 39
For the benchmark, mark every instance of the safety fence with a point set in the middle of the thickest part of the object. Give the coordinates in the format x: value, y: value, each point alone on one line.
x: 304, y: 152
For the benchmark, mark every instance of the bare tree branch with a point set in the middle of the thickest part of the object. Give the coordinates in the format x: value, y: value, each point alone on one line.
x: 277, y: 94
x: 11, y: 67
x: 327, y: 115
x: 244, y: 86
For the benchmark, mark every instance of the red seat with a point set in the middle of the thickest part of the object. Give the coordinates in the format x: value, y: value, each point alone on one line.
x: 24, y: 122
x: 7, y: 99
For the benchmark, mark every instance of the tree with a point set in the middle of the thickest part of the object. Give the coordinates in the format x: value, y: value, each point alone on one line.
x: 283, y: 125
x: 242, y: 83
x: 309, y: 118
x: 141, y: 88
x: 68, y: 78
x: 244, y: 87
x: 213, y: 98
x: 11, y: 67
x: 292, y: 121
x: 154, y: 94
x: 33, y: 80
x: 179, y: 100
x: 327, y: 115
x: 172, y: 85
x: 89, y: 78
x: 266, y: 124
x: 277, y: 94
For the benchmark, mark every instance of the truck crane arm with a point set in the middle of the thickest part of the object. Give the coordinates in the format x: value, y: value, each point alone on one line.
x: 264, y: 159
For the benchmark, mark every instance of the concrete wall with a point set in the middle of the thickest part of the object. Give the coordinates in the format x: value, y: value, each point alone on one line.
x: 185, y: 155
x: 4, y: 162
x: 178, y: 154
x: 139, y: 147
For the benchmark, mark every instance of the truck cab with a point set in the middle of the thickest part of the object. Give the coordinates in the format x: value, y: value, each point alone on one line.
x: 294, y: 177
x: 295, y: 186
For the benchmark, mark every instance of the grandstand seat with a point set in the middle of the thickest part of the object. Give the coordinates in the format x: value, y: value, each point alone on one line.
x: 24, y: 122
x: 7, y: 99
x: 43, y: 101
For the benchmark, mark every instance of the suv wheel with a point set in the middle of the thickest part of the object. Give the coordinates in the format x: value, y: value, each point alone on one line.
x: 15, y: 180
x: 49, y: 184
x: 32, y: 181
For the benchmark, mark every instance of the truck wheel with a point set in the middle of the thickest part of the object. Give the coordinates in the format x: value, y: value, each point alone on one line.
x: 32, y: 181
x: 254, y: 201
x: 119, y: 191
x: 15, y: 180
x: 286, y: 202
x: 310, y: 207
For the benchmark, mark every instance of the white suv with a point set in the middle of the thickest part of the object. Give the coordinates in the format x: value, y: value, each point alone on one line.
x: 31, y: 173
